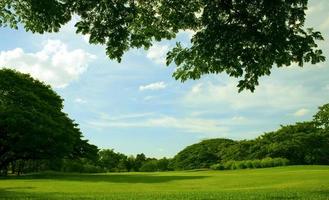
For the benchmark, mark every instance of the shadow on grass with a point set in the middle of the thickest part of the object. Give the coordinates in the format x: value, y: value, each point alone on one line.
x: 17, y: 193
x: 114, y: 178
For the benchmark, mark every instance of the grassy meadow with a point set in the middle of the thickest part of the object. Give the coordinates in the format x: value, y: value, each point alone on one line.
x: 294, y: 182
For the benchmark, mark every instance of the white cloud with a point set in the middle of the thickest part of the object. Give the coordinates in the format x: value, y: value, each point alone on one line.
x: 80, y: 101
x: 158, y: 53
x: 197, y: 88
x: 86, y: 38
x: 192, y: 125
x: 301, y: 112
x: 269, y: 95
x: 107, y: 117
x: 153, y: 86
x: 55, y: 64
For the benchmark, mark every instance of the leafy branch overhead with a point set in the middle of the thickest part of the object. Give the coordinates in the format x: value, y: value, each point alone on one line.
x: 242, y: 38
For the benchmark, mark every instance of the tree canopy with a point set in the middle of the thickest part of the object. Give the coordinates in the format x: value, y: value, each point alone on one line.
x: 241, y: 38
x: 300, y: 143
x: 32, y: 124
x: 202, y: 155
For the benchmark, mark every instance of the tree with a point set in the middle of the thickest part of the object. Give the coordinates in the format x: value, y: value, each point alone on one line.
x: 149, y: 166
x: 244, y: 39
x: 202, y: 155
x: 163, y: 164
x: 321, y: 118
x: 139, y: 161
x: 294, y: 142
x: 32, y: 123
x: 108, y: 159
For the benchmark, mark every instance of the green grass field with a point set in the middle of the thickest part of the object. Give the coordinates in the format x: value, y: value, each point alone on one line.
x: 295, y: 182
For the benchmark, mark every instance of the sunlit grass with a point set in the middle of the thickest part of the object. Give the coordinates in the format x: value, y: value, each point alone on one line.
x: 296, y: 182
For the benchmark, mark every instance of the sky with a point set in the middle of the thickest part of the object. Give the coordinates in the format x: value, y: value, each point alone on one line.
x: 136, y: 106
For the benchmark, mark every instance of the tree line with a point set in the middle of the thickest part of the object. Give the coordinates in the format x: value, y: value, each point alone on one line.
x: 106, y: 160
x: 304, y: 143
x: 36, y: 135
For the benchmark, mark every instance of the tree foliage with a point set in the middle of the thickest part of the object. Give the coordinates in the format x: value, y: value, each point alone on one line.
x: 321, y: 118
x: 110, y: 160
x: 301, y: 143
x: 241, y: 38
x: 32, y: 124
x: 201, y: 155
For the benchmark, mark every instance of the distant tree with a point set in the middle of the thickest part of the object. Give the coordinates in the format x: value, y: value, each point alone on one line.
x: 130, y: 163
x: 294, y: 142
x: 300, y: 143
x: 321, y: 118
x: 244, y: 39
x: 139, y: 161
x: 149, y: 166
x: 110, y: 160
x: 122, y: 165
x: 32, y: 123
x: 241, y: 150
x: 163, y: 164
x: 201, y: 155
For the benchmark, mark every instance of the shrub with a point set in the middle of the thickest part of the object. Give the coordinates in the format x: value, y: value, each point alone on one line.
x: 217, y: 167
x: 248, y: 164
x: 229, y: 164
x: 267, y: 162
x: 256, y: 163
x: 241, y: 165
x: 280, y: 162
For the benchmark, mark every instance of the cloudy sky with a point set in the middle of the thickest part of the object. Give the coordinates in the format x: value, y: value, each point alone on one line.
x: 136, y: 106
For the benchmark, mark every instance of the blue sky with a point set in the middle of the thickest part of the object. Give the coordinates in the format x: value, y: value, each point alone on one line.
x: 136, y: 106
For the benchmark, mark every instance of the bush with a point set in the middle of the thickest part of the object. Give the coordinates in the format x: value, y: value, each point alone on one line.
x: 229, y: 164
x: 241, y: 165
x: 266, y: 162
x: 249, y: 164
x: 80, y: 166
x: 255, y: 163
x: 217, y: 167
x: 280, y: 162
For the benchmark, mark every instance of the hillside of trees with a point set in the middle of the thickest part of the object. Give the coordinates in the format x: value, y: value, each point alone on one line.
x: 36, y: 135
x: 304, y: 143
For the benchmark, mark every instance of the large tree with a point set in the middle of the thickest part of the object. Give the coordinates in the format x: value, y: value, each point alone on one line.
x: 242, y: 38
x: 32, y: 123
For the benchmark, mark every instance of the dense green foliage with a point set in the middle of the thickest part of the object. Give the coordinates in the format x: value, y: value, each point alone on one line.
x: 201, y: 155
x: 33, y: 126
x: 241, y: 38
x: 251, y: 164
x: 302, y: 143
x: 293, y: 183
x: 110, y: 161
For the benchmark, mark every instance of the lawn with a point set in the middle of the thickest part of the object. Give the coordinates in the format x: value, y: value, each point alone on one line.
x: 294, y: 182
